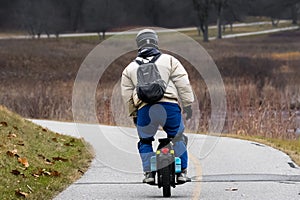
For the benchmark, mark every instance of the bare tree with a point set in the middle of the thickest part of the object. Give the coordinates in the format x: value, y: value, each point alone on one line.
x: 219, y: 5
x: 235, y: 11
x: 73, y: 10
x: 295, y: 12
x: 154, y: 10
x: 169, y: 13
x: 275, y: 9
x: 6, y: 17
x: 43, y: 16
x: 102, y: 15
x: 31, y: 15
x: 203, y: 8
x: 231, y: 15
x: 76, y: 14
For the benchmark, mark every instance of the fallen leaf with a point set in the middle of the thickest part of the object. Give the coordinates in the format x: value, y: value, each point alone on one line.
x: 55, y: 173
x: 60, y: 159
x: 231, y: 189
x: 47, y: 173
x: 48, y: 162
x: 4, y: 124
x: 21, y: 143
x: 54, y: 139
x: 15, y: 172
x: 24, y: 162
x: 72, y: 140
x: 22, y: 194
x: 45, y: 130
x: 9, y: 153
x: 16, y: 128
x: 36, y: 175
x: 41, y: 156
x: 69, y: 144
x: 11, y: 135
x: 12, y: 153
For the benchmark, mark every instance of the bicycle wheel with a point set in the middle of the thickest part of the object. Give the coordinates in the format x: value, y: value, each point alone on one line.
x: 166, y: 180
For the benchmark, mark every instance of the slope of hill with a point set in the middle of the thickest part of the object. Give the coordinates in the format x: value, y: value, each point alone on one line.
x: 36, y: 163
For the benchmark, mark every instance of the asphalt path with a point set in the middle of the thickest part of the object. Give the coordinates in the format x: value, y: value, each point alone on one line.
x: 220, y: 168
x: 134, y: 32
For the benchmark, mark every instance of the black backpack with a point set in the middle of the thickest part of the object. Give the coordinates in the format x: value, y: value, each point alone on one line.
x: 150, y: 87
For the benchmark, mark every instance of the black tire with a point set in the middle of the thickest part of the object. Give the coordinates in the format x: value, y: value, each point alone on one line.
x: 166, y: 180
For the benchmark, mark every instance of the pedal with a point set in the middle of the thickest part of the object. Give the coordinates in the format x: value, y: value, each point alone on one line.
x: 183, y: 182
x: 152, y: 183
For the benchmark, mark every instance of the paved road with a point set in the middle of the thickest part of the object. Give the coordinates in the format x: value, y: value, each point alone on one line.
x: 234, y: 169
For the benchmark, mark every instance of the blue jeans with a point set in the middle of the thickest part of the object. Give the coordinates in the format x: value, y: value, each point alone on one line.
x: 150, y: 117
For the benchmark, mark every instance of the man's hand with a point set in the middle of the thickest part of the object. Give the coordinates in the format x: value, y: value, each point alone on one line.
x: 189, y: 112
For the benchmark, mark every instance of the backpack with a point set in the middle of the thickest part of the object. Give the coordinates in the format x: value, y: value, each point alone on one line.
x: 150, y: 87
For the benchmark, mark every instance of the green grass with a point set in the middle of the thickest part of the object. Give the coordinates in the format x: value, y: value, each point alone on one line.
x: 290, y: 147
x: 55, y: 161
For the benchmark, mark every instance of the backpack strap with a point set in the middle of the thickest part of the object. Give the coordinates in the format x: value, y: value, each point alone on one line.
x: 155, y: 58
x: 138, y: 62
x: 151, y: 61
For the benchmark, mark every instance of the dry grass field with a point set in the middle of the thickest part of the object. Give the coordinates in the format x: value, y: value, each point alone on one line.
x: 260, y: 76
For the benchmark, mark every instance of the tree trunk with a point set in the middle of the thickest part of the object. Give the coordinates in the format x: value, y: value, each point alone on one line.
x: 219, y: 25
x: 199, y: 30
x: 275, y: 22
x: 103, y: 35
x: 76, y: 15
x: 205, y: 32
x: 219, y: 22
x: 202, y: 8
x: 294, y: 15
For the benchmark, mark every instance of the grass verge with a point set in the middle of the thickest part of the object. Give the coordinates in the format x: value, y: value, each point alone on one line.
x: 36, y: 163
x: 290, y: 147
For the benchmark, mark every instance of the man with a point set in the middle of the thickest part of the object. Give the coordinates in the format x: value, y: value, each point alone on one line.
x: 166, y: 112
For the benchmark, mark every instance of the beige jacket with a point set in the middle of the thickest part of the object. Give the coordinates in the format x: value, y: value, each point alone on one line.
x: 171, y: 71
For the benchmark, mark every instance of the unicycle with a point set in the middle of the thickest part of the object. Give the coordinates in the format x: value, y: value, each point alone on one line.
x: 166, y: 166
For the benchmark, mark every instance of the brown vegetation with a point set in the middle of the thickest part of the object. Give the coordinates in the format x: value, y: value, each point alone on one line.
x: 260, y: 76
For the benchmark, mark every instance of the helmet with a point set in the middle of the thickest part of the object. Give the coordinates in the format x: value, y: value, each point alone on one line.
x: 147, y: 38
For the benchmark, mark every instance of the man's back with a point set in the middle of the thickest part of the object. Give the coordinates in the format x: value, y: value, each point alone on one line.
x: 172, y: 72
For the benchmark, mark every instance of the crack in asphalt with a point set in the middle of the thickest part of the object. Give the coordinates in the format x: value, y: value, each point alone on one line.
x: 108, y: 183
x: 219, y: 179
x: 247, y: 178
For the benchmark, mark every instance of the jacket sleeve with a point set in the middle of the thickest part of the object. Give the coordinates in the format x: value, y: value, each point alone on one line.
x: 181, y: 81
x: 127, y: 88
